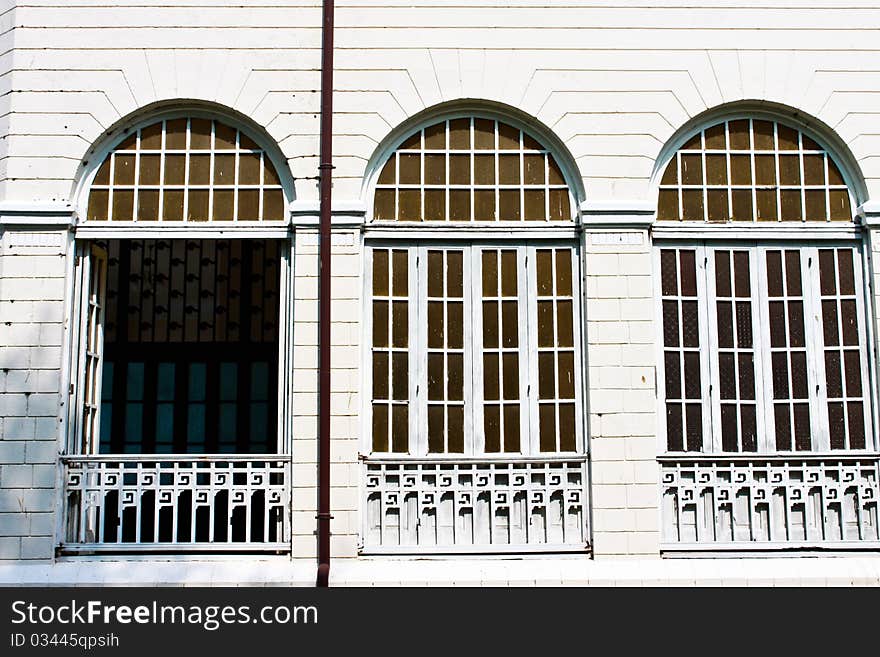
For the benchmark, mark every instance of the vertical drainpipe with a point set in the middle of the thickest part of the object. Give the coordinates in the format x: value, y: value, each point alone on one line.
x: 325, y: 169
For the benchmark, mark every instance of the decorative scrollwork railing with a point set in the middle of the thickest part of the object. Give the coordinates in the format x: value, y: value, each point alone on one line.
x: 479, y: 506
x: 179, y: 503
x: 756, y: 502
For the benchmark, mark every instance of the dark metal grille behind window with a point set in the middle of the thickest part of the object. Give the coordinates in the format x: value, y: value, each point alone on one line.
x: 191, y: 347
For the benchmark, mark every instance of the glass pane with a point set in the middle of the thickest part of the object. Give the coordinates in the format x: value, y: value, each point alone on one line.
x: 436, y: 377
x: 409, y: 205
x: 566, y: 375
x: 508, y: 273
x: 545, y: 324
x: 563, y: 272
x: 793, y: 273
x: 460, y: 134
x: 484, y: 205
x: 460, y: 169
x: 789, y: 169
x: 855, y: 414
x: 749, y: 428
x: 490, y: 273
x: 739, y: 135
x: 224, y: 169
x: 459, y: 205
x: 729, y: 437
x: 845, y: 263
x: 741, y: 169
x: 435, y: 136
x: 455, y: 317
x: 491, y: 388
x: 674, y: 428
x: 409, y: 168
x: 694, y: 427
x: 725, y: 324
x: 509, y: 169
x: 198, y: 205
x: 668, y: 275
x: 746, y: 376
x: 545, y: 272
x: 435, y: 205
x: 435, y: 274
x: 484, y: 134
x: 667, y: 206
x: 436, y: 429
x: 148, y: 205
x: 435, y: 325
x: 853, y: 373
x: 716, y: 169
x: 692, y: 205
x: 546, y: 375
x: 400, y: 375
x: 717, y: 205
x: 692, y: 384
x: 400, y: 263
x: 511, y: 428
x: 484, y: 169
x: 533, y: 205
x: 510, y: 382
x: 566, y: 428
x: 765, y: 169
x: 688, y: 273
x: 691, y: 169
x: 833, y: 379
x: 492, y: 427
x: 380, y: 375
x: 672, y: 374
x: 380, y: 272
x: 565, y: 324
x: 455, y: 376
x: 380, y: 324
x: 509, y: 324
x: 380, y: 428
x: 764, y: 139
x: 400, y: 428
x: 456, y: 429
x: 715, y: 137
x: 435, y: 169
x: 490, y: 324
x: 455, y: 280
x: 547, y: 427
x: 766, y: 205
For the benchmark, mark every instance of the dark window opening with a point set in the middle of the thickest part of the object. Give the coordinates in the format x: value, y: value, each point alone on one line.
x: 191, y: 347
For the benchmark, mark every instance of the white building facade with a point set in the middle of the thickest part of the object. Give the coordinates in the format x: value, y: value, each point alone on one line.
x: 603, y: 302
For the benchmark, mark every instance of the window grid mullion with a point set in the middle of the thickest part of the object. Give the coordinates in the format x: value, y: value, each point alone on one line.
x: 708, y: 313
x: 707, y: 336
x: 476, y: 414
x: 526, y: 384
x: 814, y: 335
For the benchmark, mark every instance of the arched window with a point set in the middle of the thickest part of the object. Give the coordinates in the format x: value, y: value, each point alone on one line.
x: 175, y: 441
x: 471, y: 169
x: 765, y: 369
x: 186, y: 170
x: 752, y: 170
x: 474, y: 411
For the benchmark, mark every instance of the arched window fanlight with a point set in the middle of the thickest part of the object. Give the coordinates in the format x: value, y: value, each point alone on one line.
x: 186, y: 170
x: 471, y: 169
x: 752, y: 170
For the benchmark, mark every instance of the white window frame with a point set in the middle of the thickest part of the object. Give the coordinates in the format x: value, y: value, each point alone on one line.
x: 473, y: 384
x: 705, y: 243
